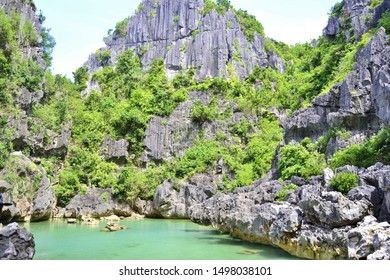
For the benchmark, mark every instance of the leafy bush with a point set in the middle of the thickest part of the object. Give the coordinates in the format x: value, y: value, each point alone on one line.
x: 249, y: 24
x: 376, y: 149
x: 302, y: 161
x: 283, y: 194
x: 28, y: 35
x: 375, y: 3
x: 336, y: 9
x: 121, y: 27
x: 134, y: 182
x: 197, y: 159
x: 357, y: 155
x: 344, y: 182
x: 385, y: 22
x: 69, y: 185
x: 81, y: 77
x: 48, y: 44
x: 202, y: 113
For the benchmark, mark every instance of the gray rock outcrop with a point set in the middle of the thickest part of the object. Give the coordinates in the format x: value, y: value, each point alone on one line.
x: 369, y: 240
x: 184, y: 37
x: 314, y: 222
x: 31, y: 133
x: 171, y: 202
x: 16, y: 243
x: 362, y: 18
x: 169, y: 138
x: 95, y: 203
x: 358, y: 105
x: 27, y: 10
x: 116, y: 151
x: 29, y: 190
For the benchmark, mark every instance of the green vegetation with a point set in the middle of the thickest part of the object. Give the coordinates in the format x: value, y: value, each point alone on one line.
x: 344, y: 182
x: 103, y: 57
x: 302, y: 160
x: 283, y: 194
x: 205, y: 113
x: 337, y: 9
x: 249, y: 24
x: 385, y: 22
x: 121, y: 27
x: 375, y: 3
x: 374, y: 150
x: 221, y: 6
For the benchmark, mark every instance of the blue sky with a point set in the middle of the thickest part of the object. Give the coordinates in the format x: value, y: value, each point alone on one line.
x: 80, y: 25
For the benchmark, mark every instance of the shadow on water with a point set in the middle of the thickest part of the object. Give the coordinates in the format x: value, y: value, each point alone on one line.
x: 203, y: 231
x: 247, y: 248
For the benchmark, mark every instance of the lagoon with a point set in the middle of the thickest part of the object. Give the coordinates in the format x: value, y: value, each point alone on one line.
x: 145, y: 239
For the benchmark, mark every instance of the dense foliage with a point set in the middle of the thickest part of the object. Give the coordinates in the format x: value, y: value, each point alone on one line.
x: 302, y: 160
x: 376, y: 149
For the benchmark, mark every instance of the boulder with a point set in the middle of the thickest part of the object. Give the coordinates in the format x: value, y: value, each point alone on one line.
x: 96, y: 205
x: 369, y: 240
x: 116, y: 151
x: 31, y: 194
x: 333, y: 210
x: 111, y: 227
x: 173, y: 200
x: 16, y: 243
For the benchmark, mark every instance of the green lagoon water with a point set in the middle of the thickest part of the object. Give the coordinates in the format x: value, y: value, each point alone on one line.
x: 143, y: 240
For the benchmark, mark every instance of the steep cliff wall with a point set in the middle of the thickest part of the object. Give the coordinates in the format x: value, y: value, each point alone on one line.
x: 186, y: 36
x: 28, y: 14
x: 354, y: 18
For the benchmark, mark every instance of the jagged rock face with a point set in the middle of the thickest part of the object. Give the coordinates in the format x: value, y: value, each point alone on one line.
x: 116, y: 151
x: 27, y: 10
x: 96, y: 203
x: 41, y: 141
x: 16, y: 243
x: 28, y: 188
x: 169, y: 138
x: 177, y: 31
x: 360, y: 104
x: 314, y: 222
x: 170, y: 202
x: 362, y: 18
x: 369, y: 240
x: 333, y: 209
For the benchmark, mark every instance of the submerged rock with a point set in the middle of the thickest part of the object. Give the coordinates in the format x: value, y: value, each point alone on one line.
x: 16, y: 243
x: 111, y: 227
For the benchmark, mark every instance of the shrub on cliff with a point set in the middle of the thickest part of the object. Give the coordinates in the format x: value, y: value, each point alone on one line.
x: 344, y: 182
x: 376, y: 149
x: 385, y: 22
x: 302, y: 160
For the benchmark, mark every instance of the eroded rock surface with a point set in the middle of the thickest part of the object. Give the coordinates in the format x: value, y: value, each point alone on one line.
x: 16, y: 243
x: 315, y: 222
x: 184, y: 37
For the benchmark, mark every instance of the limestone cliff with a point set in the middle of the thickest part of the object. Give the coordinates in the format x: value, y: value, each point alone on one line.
x: 354, y: 18
x: 24, y: 138
x: 185, y: 36
x: 28, y: 12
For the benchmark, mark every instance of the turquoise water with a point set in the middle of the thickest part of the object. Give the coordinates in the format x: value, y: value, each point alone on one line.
x: 143, y: 240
